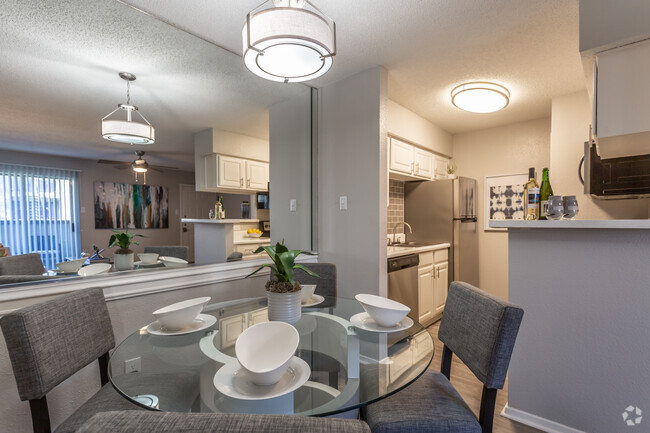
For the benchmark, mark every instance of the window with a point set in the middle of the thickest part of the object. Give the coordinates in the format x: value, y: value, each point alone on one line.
x: 39, y: 212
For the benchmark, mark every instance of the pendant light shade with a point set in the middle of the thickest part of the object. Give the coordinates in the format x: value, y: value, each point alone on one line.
x: 283, y: 41
x: 140, y: 165
x: 480, y: 97
x: 128, y: 131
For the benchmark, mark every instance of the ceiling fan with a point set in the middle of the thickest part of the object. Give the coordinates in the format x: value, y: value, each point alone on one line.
x: 139, y: 165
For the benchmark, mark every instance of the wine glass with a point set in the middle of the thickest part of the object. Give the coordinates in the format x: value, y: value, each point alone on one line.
x: 570, y: 206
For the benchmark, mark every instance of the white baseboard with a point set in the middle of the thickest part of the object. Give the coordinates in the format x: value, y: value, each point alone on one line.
x: 536, y: 421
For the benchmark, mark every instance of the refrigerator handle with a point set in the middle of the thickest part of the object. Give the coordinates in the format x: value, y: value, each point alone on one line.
x: 466, y: 219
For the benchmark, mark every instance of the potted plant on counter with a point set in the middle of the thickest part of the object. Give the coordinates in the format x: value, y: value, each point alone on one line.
x: 282, y: 291
x: 123, y: 258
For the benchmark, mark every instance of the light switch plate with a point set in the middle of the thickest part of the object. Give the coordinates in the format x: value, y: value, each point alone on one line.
x: 343, y: 202
x: 292, y: 205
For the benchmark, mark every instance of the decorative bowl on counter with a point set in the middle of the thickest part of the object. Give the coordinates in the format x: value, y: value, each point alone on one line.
x: 148, y: 258
x: 254, y: 235
x: 265, y: 350
x: 177, y: 316
x: 173, y: 262
x: 384, y: 311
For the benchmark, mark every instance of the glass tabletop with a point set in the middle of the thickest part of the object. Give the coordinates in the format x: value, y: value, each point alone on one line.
x: 348, y: 367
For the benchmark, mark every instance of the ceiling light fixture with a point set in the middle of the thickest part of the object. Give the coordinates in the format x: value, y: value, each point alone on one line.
x: 480, y: 97
x: 140, y: 166
x: 283, y: 41
x: 127, y: 131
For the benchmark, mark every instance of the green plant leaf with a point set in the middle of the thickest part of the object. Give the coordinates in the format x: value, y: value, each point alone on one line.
x: 280, y: 248
x: 299, y: 266
x: 287, y: 259
x: 265, y: 265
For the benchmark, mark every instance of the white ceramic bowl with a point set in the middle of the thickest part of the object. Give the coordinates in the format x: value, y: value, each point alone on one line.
x: 177, y: 316
x: 254, y: 235
x: 173, y: 262
x: 265, y: 350
x: 94, y: 269
x: 384, y: 311
x: 148, y: 258
x: 71, y: 266
x: 307, y: 292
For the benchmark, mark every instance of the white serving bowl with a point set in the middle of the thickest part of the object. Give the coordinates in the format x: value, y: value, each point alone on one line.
x: 384, y: 311
x: 307, y: 292
x: 265, y: 350
x: 148, y: 258
x: 94, y: 269
x: 71, y: 266
x: 173, y: 262
x: 177, y: 316
x: 254, y: 235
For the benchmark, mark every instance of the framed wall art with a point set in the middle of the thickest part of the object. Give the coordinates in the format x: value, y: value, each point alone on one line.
x: 122, y: 206
x: 504, y: 198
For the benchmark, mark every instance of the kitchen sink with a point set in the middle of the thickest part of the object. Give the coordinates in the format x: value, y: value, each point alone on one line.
x: 411, y: 244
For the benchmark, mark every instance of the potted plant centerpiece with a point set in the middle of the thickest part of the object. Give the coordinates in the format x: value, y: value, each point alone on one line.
x: 282, y: 292
x: 123, y: 258
x: 451, y: 169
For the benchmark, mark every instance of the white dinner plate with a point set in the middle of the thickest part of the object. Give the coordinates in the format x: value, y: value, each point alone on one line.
x: 202, y: 321
x: 232, y: 380
x: 314, y: 300
x: 367, y: 323
x: 97, y: 268
x: 146, y: 265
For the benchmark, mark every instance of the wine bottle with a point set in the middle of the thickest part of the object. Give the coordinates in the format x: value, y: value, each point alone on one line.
x: 545, y: 191
x: 531, y: 196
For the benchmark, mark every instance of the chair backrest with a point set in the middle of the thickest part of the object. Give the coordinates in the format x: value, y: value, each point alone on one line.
x: 481, y: 330
x: 23, y: 264
x: 326, y: 284
x: 178, y: 251
x: 50, y: 341
x: 160, y: 422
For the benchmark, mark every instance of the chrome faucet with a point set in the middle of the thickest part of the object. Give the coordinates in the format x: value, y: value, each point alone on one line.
x: 395, y: 230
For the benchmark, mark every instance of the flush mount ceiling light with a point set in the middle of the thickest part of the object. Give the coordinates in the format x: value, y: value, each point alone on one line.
x: 480, y: 97
x: 127, y: 131
x: 284, y: 41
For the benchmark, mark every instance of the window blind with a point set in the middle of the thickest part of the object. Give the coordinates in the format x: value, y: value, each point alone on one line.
x: 39, y: 212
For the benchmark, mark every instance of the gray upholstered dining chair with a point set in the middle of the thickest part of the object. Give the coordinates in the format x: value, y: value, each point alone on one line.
x: 22, y: 264
x: 178, y: 251
x: 50, y: 341
x: 326, y: 284
x: 157, y: 422
x: 481, y: 330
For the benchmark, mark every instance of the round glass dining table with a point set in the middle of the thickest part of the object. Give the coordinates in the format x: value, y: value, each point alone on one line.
x: 349, y: 367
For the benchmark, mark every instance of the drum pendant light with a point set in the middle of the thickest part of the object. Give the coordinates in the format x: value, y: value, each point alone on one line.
x: 288, y: 41
x: 128, y: 131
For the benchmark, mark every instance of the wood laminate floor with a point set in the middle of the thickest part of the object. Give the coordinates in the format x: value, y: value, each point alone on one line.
x: 470, y: 388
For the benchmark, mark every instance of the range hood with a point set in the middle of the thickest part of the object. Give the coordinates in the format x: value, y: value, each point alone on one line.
x: 616, y: 178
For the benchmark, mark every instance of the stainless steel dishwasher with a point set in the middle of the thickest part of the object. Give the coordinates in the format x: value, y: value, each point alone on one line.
x: 403, y: 281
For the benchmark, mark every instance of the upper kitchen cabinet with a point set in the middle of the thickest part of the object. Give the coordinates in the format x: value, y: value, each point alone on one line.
x: 230, y: 174
x: 621, y: 122
x: 229, y: 162
x: 408, y: 162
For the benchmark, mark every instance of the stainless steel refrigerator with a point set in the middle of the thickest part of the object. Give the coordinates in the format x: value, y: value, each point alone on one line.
x: 445, y: 211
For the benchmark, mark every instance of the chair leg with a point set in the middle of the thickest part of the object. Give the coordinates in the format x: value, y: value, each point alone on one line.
x: 103, y: 368
x: 40, y: 415
x: 445, y: 365
x: 486, y: 414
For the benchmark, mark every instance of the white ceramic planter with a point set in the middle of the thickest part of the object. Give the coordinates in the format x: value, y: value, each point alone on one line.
x: 123, y: 262
x: 284, y: 307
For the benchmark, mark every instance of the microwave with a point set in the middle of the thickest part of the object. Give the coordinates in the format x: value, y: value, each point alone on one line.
x: 615, y: 178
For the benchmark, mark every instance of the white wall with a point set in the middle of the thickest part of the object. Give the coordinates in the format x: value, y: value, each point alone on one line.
x: 91, y: 171
x: 504, y: 150
x: 290, y: 171
x: 405, y: 124
x: 352, y: 163
x: 570, y: 120
x: 604, y: 23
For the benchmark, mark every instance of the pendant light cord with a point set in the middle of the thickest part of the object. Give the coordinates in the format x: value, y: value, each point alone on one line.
x: 128, y: 93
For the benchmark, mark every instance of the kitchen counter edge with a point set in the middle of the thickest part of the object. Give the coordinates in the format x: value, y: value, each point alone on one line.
x: 403, y: 251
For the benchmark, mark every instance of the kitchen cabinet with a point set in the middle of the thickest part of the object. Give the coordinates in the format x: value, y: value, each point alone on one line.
x: 231, y: 174
x: 425, y: 293
x: 440, y: 286
x: 408, y: 162
x: 621, y: 113
x: 230, y: 328
x: 433, y: 284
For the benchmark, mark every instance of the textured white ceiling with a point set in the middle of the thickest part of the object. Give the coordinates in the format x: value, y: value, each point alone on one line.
x: 58, y: 78
x: 428, y: 47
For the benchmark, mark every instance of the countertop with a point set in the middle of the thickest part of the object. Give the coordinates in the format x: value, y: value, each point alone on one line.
x: 403, y: 251
x: 224, y: 221
x: 572, y: 224
x: 252, y: 241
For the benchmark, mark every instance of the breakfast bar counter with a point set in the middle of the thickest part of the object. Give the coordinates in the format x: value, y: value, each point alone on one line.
x: 214, y: 238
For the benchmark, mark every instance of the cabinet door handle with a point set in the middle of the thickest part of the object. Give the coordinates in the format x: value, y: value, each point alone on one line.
x: 248, y: 183
x: 417, y: 168
x: 241, y: 181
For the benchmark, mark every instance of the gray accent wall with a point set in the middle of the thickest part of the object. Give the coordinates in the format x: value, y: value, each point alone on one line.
x: 352, y: 163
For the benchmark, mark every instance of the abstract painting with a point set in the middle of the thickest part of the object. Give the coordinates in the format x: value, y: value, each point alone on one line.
x: 122, y: 206
x: 504, y: 198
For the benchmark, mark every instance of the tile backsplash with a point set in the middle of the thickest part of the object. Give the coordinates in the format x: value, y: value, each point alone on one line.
x: 395, y: 205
